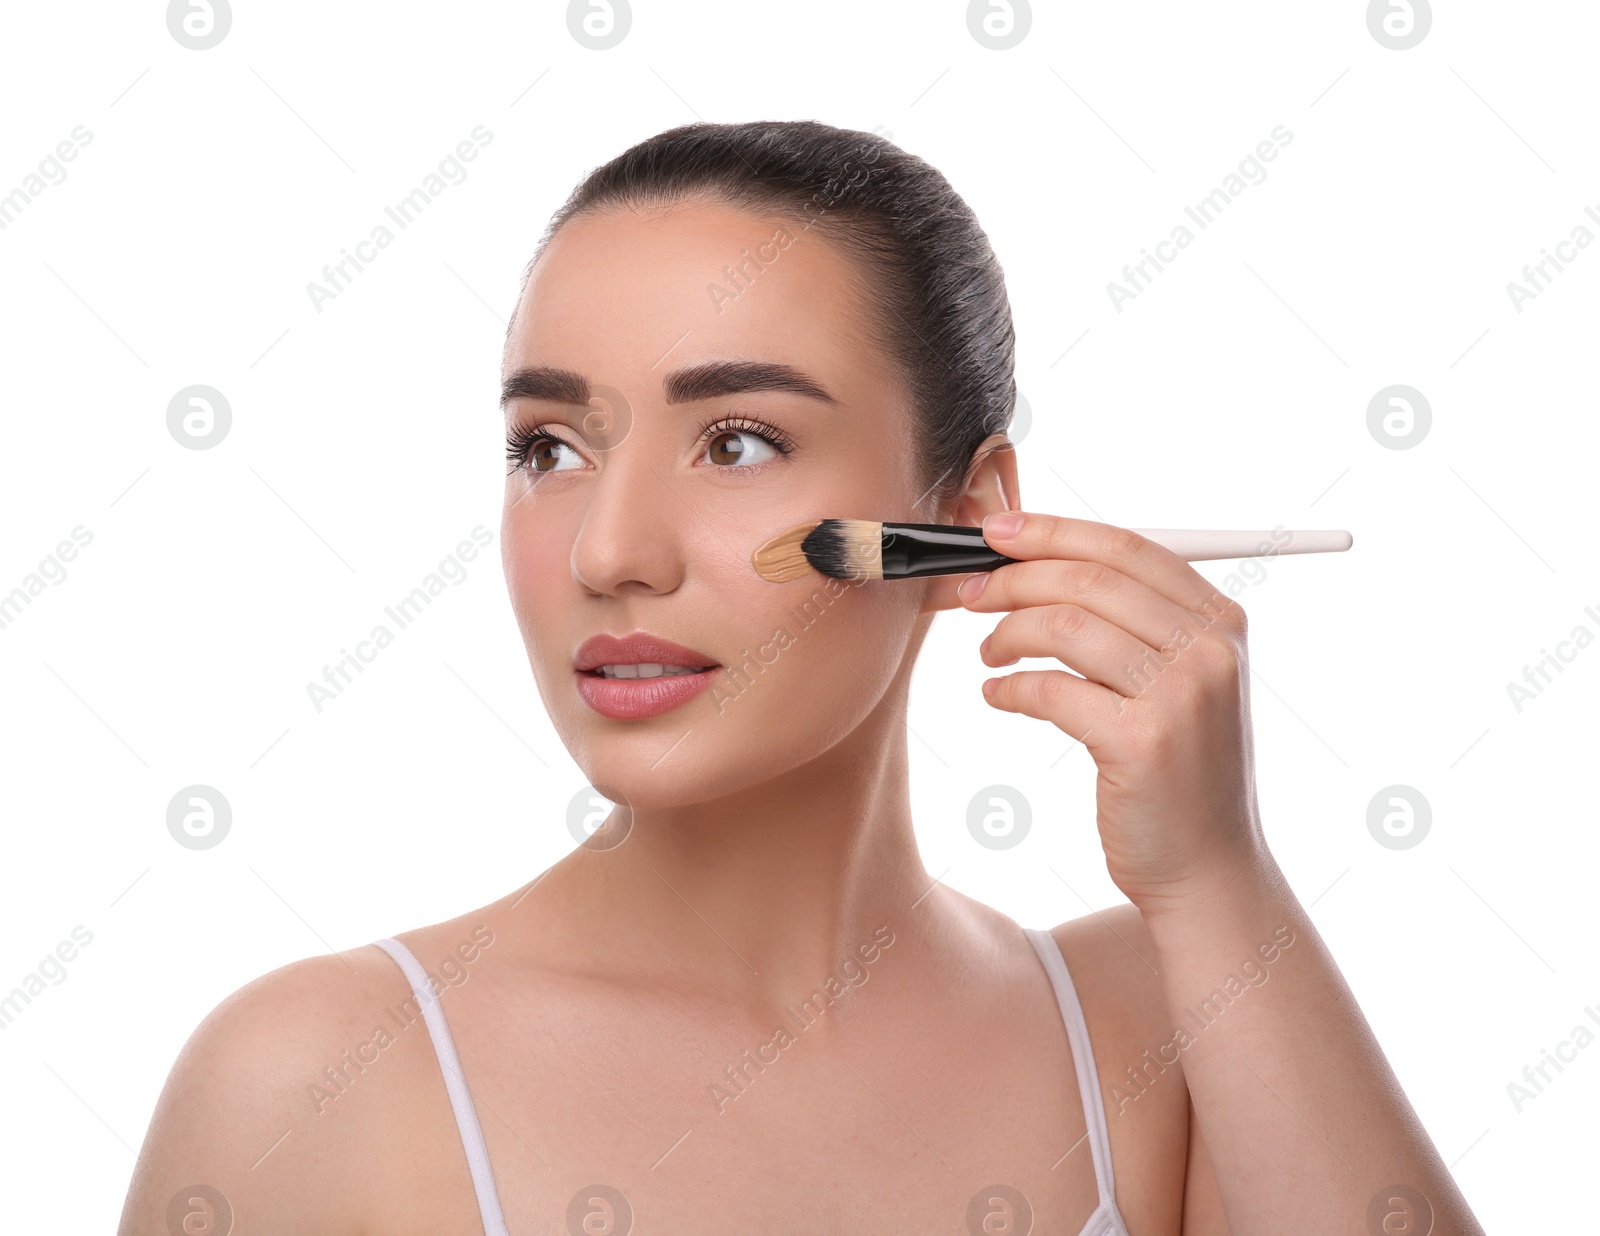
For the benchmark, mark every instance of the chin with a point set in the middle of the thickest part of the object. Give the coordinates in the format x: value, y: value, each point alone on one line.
x: 621, y: 770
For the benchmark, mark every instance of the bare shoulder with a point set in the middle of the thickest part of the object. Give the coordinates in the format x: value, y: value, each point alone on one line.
x: 1115, y: 970
x: 1111, y: 952
x: 255, y: 1113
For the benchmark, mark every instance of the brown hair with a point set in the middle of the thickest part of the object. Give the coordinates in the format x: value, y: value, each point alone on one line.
x: 944, y: 318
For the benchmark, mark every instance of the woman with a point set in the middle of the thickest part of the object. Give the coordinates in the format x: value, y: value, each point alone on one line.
x: 742, y: 1004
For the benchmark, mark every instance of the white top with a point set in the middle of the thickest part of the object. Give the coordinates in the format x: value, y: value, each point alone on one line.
x: 1105, y: 1221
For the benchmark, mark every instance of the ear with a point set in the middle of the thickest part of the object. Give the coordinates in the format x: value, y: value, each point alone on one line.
x: 991, y: 485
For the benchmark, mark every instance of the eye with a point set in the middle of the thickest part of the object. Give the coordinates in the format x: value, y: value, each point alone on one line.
x: 537, y: 452
x: 727, y: 449
x: 724, y: 447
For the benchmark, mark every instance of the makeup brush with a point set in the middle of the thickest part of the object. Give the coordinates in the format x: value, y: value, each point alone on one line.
x: 868, y: 549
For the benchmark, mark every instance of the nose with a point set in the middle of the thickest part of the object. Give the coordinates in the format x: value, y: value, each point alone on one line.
x: 632, y: 536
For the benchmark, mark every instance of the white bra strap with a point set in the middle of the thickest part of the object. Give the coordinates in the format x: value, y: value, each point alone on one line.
x: 1094, y: 1112
x: 494, y: 1223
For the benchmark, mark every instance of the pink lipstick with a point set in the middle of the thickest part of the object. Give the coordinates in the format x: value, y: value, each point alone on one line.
x: 639, y: 675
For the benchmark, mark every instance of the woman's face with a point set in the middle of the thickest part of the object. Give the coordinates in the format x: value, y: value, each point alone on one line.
x: 635, y: 520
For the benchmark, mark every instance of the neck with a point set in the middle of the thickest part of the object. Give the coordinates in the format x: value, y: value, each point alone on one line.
x: 758, y: 894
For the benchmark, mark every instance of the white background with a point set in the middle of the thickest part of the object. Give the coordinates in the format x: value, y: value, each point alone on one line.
x: 365, y: 444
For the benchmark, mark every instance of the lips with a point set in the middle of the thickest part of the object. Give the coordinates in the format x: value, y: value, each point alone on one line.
x: 636, y: 648
x: 631, y: 699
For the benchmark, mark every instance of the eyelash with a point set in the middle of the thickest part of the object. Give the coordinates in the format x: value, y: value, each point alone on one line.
x: 521, y: 441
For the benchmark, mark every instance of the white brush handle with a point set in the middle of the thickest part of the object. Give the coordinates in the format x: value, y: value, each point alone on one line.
x: 1203, y: 544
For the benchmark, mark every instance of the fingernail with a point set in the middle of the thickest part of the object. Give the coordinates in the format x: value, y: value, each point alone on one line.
x: 971, y: 588
x: 1003, y: 524
x: 989, y: 685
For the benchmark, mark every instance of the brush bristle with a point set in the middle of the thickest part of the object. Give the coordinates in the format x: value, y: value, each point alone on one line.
x: 841, y: 548
x: 846, y: 548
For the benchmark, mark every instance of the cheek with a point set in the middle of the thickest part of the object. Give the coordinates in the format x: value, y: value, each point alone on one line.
x: 824, y: 646
x: 533, y: 556
x: 880, y: 617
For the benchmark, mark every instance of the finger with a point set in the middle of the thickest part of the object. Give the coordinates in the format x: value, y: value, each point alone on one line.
x: 1081, y: 640
x: 1156, y: 566
x: 1078, y: 708
x: 1118, y: 598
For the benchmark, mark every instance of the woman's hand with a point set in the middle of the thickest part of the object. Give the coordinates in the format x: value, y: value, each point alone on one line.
x: 1159, y: 697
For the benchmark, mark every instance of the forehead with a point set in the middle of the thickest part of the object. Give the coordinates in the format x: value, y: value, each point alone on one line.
x: 625, y: 295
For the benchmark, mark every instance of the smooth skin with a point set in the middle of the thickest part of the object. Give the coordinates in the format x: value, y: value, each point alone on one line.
x: 768, y: 836
x: 1305, y: 1125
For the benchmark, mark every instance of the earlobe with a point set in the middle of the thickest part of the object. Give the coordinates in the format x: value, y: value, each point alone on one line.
x: 991, y: 486
x: 940, y: 593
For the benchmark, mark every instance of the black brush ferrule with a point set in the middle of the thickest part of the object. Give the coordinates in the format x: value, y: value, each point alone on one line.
x: 913, y: 550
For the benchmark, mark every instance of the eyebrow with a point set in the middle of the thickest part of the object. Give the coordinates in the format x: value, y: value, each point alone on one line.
x: 703, y: 381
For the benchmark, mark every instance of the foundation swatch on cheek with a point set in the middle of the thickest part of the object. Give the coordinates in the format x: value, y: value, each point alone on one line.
x: 780, y: 559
